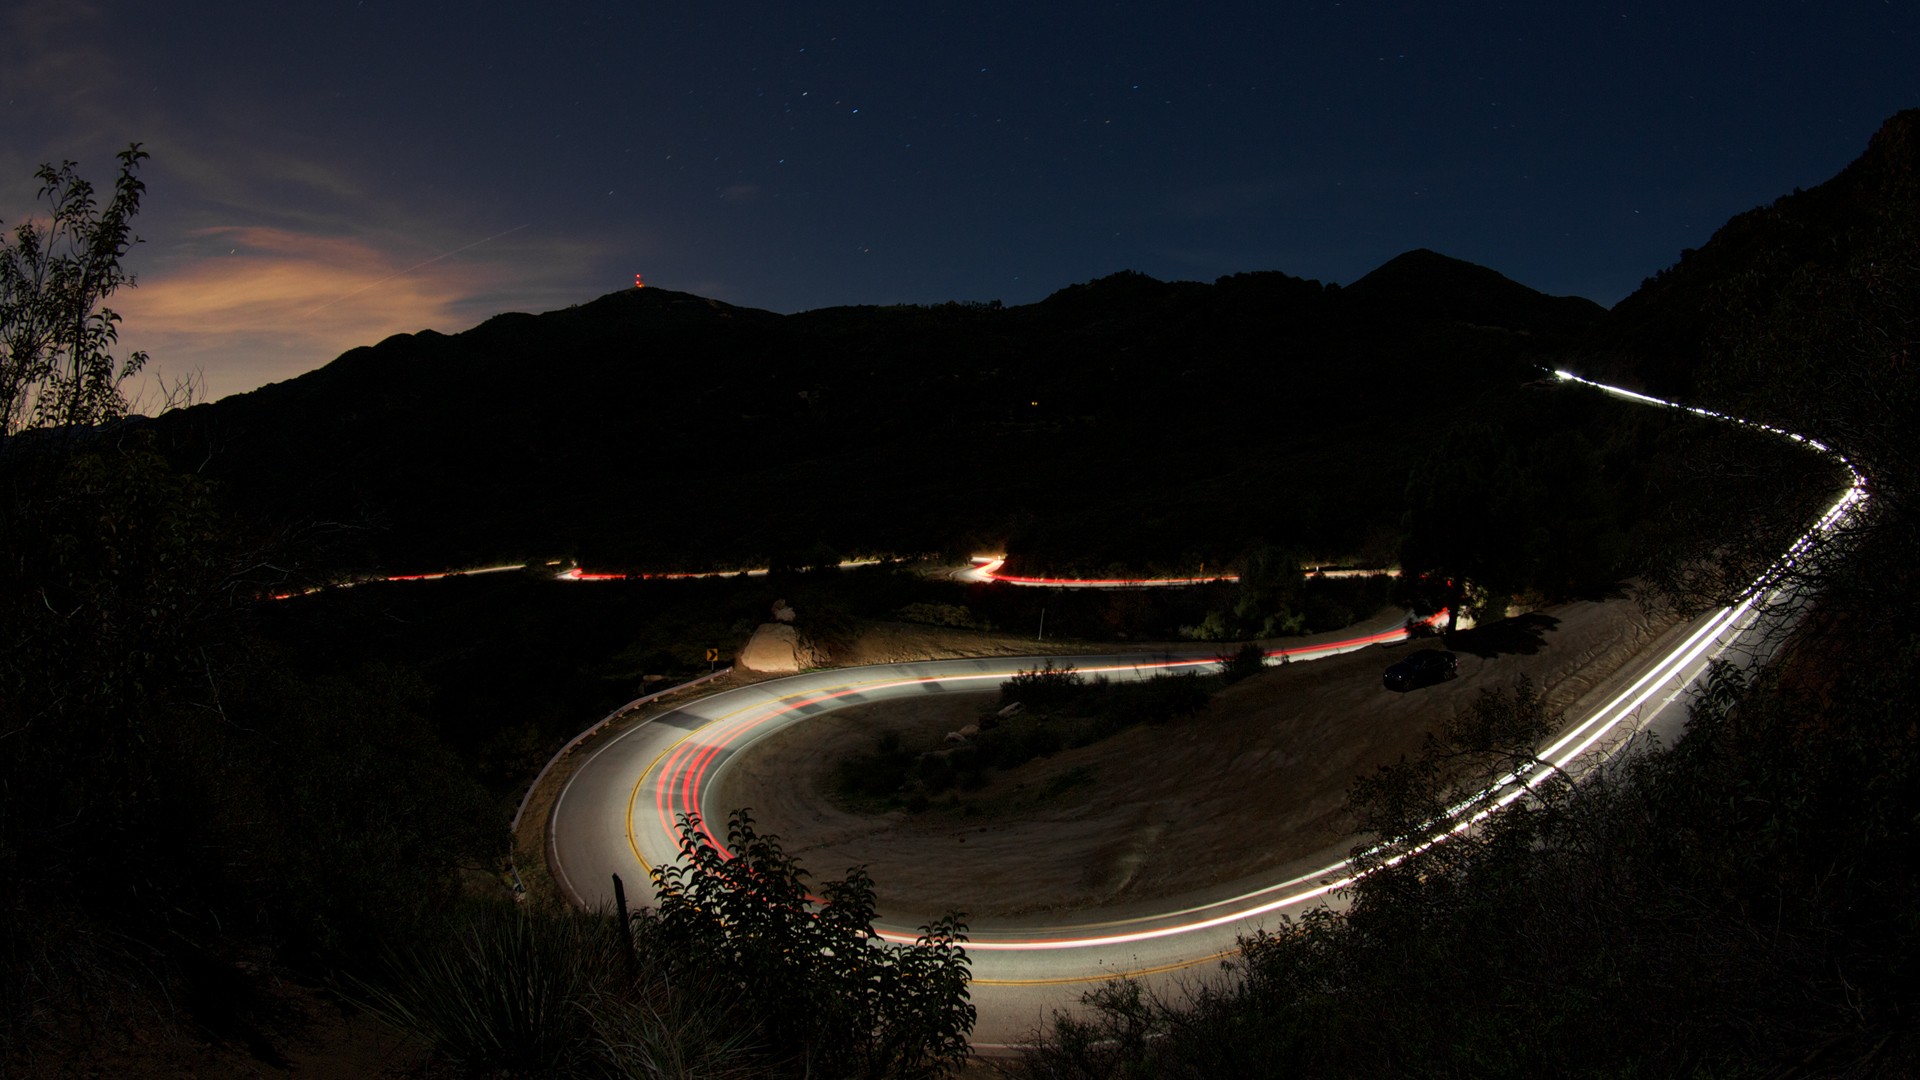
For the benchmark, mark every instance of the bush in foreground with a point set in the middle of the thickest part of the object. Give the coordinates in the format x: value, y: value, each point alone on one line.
x: 738, y: 973
x: 830, y: 998
x: 1739, y: 905
x: 503, y: 991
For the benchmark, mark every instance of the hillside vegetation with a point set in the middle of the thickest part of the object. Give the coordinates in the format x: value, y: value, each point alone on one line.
x: 1132, y: 421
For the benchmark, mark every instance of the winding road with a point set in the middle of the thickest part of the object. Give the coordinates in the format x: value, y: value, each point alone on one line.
x: 617, y: 812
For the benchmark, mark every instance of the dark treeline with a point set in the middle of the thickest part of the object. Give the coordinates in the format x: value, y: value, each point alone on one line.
x: 1129, y: 421
x: 1544, y: 494
x: 178, y: 812
x: 181, y: 805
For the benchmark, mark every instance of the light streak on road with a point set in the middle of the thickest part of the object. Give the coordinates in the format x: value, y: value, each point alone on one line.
x: 577, y: 574
x: 982, y: 571
x: 986, y: 571
x: 435, y: 576
x: 454, y: 573
x: 572, y: 573
x: 619, y: 812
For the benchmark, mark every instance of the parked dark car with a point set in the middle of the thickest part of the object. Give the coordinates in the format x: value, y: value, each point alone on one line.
x: 1422, y: 668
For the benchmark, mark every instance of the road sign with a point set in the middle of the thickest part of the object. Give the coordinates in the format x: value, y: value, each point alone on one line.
x: 713, y: 655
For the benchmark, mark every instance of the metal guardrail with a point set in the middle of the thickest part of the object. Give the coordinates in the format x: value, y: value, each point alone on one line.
x: 513, y: 869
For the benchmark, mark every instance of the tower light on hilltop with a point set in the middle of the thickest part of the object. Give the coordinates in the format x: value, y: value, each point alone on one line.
x: 638, y: 283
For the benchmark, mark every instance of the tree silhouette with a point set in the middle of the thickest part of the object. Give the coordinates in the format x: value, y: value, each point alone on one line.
x: 56, y: 365
x: 824, y: 988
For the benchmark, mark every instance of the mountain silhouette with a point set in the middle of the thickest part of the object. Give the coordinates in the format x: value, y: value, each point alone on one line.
x: 1133, y: 419
x: 1658, y: 337
x: 653, y: 428
x: 1426, y: 284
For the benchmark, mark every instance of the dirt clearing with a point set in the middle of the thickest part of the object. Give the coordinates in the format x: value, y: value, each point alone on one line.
x: 1254, y: 785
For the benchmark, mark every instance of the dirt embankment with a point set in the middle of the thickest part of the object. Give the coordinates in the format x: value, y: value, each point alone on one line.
x: 895, y: 643
x: 1255, y: 784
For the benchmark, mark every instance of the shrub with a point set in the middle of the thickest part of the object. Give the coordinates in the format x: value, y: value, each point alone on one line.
x: 1245, y: 662
x: 1012, y: 745
x: 502, y: 990
x: 1044, y: 687
x: 828, y: 995
x: 933, y: 614
x: 1164, y: 697
x: 876, y: 775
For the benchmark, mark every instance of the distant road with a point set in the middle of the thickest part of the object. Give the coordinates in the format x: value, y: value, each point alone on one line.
x: 617, y: 813
x: 986, y: 569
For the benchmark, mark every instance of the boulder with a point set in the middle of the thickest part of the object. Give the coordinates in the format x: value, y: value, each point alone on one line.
x: 774, y: 648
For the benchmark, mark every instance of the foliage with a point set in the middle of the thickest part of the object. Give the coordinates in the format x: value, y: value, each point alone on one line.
x: 830, y: 997
x: 737, y: 973
x: 172, y: 793
x: 1213, y: 627
x: 1070, y: 712
x: 1243, y: 663
x: 56, y: 368
x: 1415, y: 804
x: 936, y: 614
x: 1275, y: 600
x: 1737, y: 905
x: 879, y: 774
x: 503, y: 990
x: 1821, y: 346
x: 1044, y: 687
x: 1164, y: 697
x: 1270, y: 593
x: 1545, y: 495
x: 344, y: 817
x: 498, y: 989
x: 179, y: 813
x: 1061, y: 701
x: 109, y: 590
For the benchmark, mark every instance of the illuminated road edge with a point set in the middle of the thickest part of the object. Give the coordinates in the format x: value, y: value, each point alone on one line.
x: 985, y: 570
x: 617, y: 814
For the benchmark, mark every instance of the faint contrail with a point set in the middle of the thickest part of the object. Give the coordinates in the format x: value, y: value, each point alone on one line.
x: 410, y: 269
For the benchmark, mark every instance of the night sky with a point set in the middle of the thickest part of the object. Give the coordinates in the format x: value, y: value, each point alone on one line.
x: 327, y: 173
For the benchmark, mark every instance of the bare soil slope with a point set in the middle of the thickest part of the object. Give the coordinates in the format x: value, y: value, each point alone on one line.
x: 1254, y: 785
